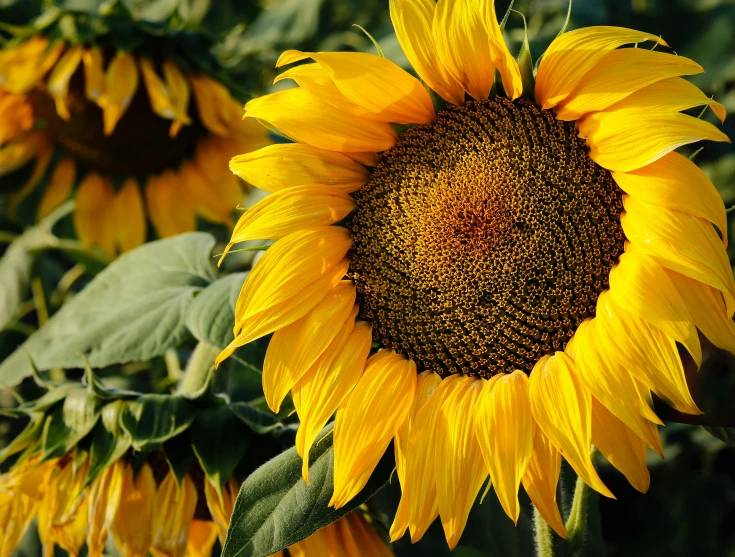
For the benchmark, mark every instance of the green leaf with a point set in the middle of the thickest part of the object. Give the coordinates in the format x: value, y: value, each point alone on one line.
x: 152, y: 419
x: 25, y: 438
x: 260, y: 422
x: 54, y: 395
x: 109, y: 440
x: 179, y: 455
x: 15, y: 265
x: 134, y: 310
x: 275, y: 508
x: 193, y: 11
x: 68, y: 422
x: 726, y: 434
x: 212, y: 314
x: 525, y: 63
x: 219, y: 440
x: 151, y: 10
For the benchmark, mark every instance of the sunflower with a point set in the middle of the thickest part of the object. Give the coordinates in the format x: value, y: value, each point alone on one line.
x: 104, y: 123
x: 145, y: 510
x: 527, y: 259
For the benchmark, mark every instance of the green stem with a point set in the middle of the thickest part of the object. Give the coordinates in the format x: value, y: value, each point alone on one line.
x: 577, y: 521
x: 544, y: 539
x: 197, y: 371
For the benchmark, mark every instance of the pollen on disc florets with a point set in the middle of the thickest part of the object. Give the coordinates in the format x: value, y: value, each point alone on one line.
x: 483, y: 239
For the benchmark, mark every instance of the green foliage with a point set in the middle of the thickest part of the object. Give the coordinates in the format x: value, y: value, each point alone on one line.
x: 153, y: 419
x: 134, y: 310
x: 275, y: 508
x: 212, y: 314
x: 110, y: 440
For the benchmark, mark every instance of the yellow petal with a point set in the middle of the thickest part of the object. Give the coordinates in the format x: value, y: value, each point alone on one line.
x: 210, y: 205
x: 682, y: 243
x: 505, y: 430
x: 373, y: 83
x: 501, y: 56
x: 459, y: 469
x: 58, y: 83
x: 707, y: 309
x: 368, y: 421
x: 617, y: 75
x: 571, y: 55
x: 412, y: 21
x: 308, y: 119
x: 319, y: 393
x: 94, y: 213
x: 131, y: 527
x: 540, y: 481
x: 225, y: 191
x: 620, y: 446
x: 39, y: 145
x: 104, y: 499
x: 21, y: 151
x: 428, y: 382
x: 642, y: 287
x: 648, y: 354
x: 626, y: 140
x: 277, y: 167
x: 94, y: 76
x: 290, y: 264
x: 221, y: 508
x: 360, y: 538
x: 166, y: 97
x: 673, y: 94
x: 59, y: 187
x: 170, y: 207
x: 289, y: 210
x: 297, y: 347
x: 561, y: 408
x: 418, y: 486
x: 202, y: 536
x: 16, y: 116
x: 173, y: 512
x: 130, y: 216
x: 27, y: 63
x: 287, y: 311
x: 676, y: 183
x: 217, y: 109
x: 179, y: 93
x: 463, y: 45
x: 121, y: 83
x: 603, y: 376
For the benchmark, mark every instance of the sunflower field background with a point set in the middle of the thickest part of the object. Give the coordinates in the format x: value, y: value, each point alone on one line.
x: 111, y: 319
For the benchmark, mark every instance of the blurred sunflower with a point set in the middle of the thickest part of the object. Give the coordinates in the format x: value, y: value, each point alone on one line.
x: 146, y: 510
x: 101, y: 121
x: 527, y: 258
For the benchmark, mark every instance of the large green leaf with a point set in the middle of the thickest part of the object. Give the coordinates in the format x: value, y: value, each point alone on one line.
x: 134, y: 310
x: 275, y: 508
x: 219, y: 440
x: 68, y: 422
x: 212, y: 314
x: 152, y: 419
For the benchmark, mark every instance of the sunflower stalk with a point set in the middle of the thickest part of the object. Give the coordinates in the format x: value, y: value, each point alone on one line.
x: 198, y: 369
x: 543, y: 536
x: 577, y: 521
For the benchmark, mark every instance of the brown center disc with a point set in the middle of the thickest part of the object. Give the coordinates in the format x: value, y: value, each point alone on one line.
x: 483, y: 239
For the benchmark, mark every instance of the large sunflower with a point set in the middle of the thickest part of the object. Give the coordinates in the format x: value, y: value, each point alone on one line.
x: 527, y: 259
x: 142, y: 127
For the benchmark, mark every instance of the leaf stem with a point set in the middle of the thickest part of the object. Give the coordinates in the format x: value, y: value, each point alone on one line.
x: 544, y: 539
x: 577, y: 521
x: 198, y: 368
